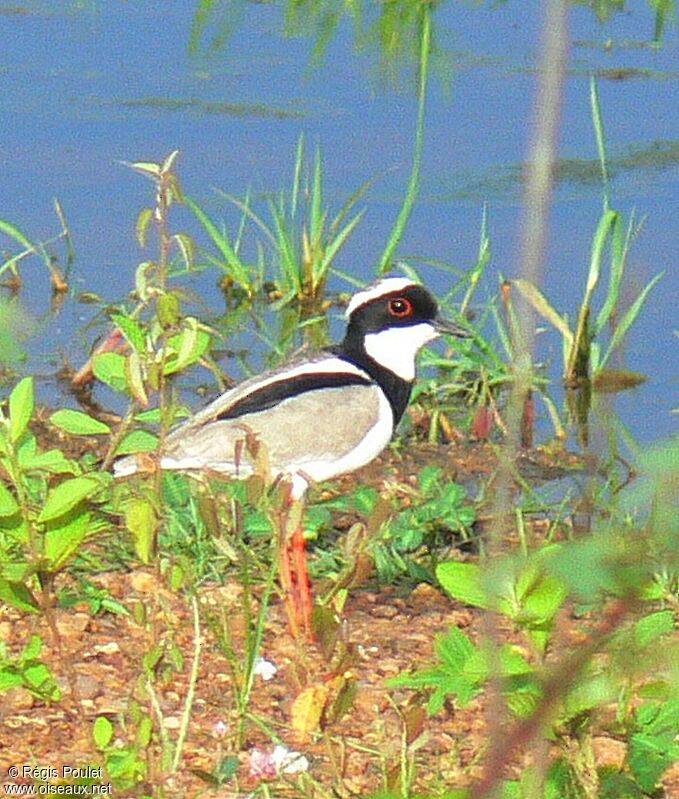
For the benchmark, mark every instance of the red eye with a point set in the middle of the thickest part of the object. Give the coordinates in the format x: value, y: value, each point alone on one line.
x: 400, y: 307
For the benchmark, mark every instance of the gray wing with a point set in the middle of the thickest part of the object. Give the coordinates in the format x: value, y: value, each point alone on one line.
x: 314, y: 426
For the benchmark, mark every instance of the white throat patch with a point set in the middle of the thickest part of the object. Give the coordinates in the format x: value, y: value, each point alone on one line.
x: 396, y: 348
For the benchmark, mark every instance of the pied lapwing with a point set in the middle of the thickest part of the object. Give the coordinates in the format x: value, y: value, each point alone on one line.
x: 320, y: 415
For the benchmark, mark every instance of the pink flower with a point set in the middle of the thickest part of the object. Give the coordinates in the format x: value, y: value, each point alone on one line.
x: 281, y: 760
x: 262, y: 765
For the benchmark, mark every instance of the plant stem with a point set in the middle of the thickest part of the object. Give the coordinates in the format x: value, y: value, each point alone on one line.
x: 191, y: 690
x: 554, y: 688
x: 414, y: 182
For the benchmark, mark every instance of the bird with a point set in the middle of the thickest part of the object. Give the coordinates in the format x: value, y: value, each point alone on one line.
x: 319, y: 415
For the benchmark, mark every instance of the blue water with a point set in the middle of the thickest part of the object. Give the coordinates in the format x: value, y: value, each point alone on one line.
x: 72, y: 75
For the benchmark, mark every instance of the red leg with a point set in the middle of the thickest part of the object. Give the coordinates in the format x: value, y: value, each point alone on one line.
x: 287, y: 579
x: 304, y: 598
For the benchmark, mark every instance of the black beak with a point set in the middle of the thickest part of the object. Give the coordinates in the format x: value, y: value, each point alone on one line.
x: 450, y: 327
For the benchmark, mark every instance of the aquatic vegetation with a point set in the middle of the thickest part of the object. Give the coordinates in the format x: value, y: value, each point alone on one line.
x: 584, y: 357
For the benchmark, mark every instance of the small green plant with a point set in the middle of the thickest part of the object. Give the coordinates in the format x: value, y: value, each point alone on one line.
x: 46, y: 510
x: 437, y: 509
x: 399, y: 532
x: 625, y: 658
x: 126, y: 763
x: 28, y: 671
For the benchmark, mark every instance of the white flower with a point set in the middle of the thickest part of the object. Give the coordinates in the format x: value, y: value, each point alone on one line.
x: 219, y: 729
x: 289, y: 762
x: 265, y: 669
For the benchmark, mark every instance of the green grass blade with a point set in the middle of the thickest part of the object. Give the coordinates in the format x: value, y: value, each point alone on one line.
x: 232, y: 263
x: 582, y: 340
x: 600, y: 139
x: 248, y: 212
x: 414, y: 182
x: 66, y: 233
x: 29, y: 247
x: 628, y: 319
x: 542, y: 305
x: 238, y: 241
x: 503, y: 333
x: 297, y: 177
x: 316, y: 215
x: 353, y: 198
x: 14, y: 233
x: 619, y: 250
x: 285, y: 245
x: 604, y: 227
x: 337, y: 242
x: 482, y: 261
x: 351, y: 279
x: 317, y: 251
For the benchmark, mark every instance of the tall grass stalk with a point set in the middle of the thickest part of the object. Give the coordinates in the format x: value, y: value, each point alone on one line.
x: 542, y: 155
x: 414, y: 182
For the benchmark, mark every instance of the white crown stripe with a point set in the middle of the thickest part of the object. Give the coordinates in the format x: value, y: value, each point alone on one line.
x: 377, y: 290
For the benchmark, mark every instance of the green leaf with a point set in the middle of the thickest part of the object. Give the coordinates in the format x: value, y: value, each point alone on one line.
x: 63, y: 541
x: 454, y: 648
x: 132, y: 331
x: 39, y: 680
x: 169, y: 309
x: 102, y: 732
x: 628, y: 319
x: 592, y: 690
x: 144, y: 218
x: 32, y: 649
x: 53, y: 462
x: 67, y: 495
x: 144, y: 731
x: 187, y: 249
x: 9, y: 678
x: 18, y: 596
x: 606, y: 223
x: 109, y: 367
x: 227, y: 768
x: 78, y: 423
x: 8, y: 504
x: 142, y: 521
x: 619, y: 247
x: 463, y: 581
x: 137, y: 441
x: 148, y: 168
x: 188, y: 346
x: 451, y: 676
x: 21, y: 404
x: 652, y: 627
x: 135, y: 378
x: 544, y: 598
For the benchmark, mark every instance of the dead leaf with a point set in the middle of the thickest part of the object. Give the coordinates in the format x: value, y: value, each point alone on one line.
x: 308, y: 707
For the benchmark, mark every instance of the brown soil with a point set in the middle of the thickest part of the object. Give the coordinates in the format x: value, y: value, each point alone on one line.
x: 382, y: 634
